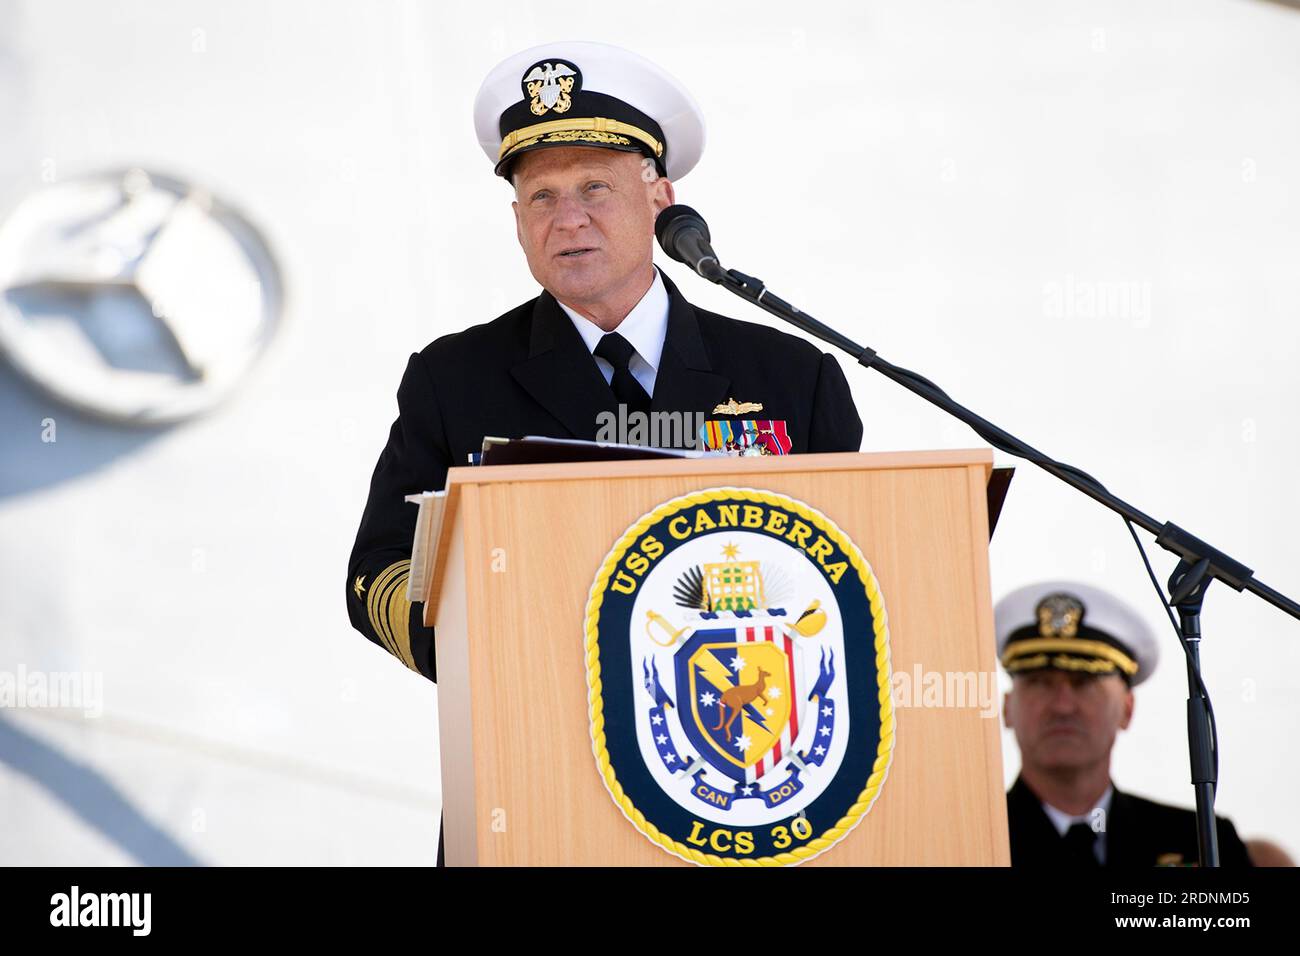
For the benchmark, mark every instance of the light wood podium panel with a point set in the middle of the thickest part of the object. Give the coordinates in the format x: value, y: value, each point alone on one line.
x: 519, y: 549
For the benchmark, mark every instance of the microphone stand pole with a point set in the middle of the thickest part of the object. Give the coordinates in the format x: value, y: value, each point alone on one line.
x: 1199, y: 563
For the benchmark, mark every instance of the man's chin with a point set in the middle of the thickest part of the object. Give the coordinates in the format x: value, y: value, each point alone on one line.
x: 575, y: 288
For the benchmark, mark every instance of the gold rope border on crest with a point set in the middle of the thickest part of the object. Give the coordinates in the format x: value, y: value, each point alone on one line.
x: 880, y: 626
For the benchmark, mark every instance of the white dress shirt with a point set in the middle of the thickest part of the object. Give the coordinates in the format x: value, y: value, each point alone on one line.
x: 644, y: 327
x: 1063, y: 821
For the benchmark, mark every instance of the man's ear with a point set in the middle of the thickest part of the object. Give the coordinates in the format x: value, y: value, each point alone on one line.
x: 1126, y: 716
x: 665, y: 196
x: 1006, y: 709
x: 519, y: 232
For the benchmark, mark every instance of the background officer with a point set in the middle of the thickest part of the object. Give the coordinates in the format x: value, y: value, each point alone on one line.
x: 1074, y: 654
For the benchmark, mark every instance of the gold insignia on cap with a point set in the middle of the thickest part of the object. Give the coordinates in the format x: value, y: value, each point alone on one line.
x: 1061, y: 635
x: 1059, y: 615
x: 591, y: 128
x: 550, y: 88
x: 733, y: 407
x: 577, y: 136
x: 359, y: 585
x: 1066, y: 654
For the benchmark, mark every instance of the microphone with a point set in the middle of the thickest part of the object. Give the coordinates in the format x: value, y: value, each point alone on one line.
x: 684, y: 235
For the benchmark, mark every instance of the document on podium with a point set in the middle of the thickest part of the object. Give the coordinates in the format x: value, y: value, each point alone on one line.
x: 529, y: 450
x: 428, y: 525
x: 537, y: 449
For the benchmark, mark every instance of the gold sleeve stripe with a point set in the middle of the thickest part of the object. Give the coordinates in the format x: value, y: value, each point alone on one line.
x: 390, y: 611
x: 375, y: 604
x: 399, y: 619
x: 392, y: 582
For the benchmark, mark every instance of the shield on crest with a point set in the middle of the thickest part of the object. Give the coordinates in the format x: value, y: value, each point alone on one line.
x: 744, y: 684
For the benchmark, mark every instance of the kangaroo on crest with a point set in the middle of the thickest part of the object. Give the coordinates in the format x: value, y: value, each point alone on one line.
x: 734, y: 699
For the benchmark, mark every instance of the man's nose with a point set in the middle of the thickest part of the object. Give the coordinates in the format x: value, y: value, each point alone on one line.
x: 1063, y: 699
x: 570, y: 213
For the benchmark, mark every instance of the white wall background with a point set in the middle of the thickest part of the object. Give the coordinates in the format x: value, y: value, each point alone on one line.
x: 924, y: 174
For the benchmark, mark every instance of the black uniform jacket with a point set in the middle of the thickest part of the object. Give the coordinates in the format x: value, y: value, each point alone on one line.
x: 1139, y: 833
x: 528, y: 372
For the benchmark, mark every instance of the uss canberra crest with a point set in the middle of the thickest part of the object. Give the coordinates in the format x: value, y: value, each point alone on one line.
x: 738, y: 675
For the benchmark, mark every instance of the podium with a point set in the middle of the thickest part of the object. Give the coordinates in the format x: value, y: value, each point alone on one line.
x: 581, y: 609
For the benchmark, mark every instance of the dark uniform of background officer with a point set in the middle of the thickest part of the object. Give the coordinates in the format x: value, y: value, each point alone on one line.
x: 591, y: 137
x: 1075, y: 653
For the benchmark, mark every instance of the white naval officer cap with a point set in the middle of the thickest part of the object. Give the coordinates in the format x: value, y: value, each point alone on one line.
x: 581, y: 93
x: 1071, y: 626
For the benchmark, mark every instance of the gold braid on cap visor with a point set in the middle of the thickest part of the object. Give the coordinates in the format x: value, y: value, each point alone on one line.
x: 519, y: 138
x: 1109, y: 657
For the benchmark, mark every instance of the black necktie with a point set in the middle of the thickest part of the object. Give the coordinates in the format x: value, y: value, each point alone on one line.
x: 1079, y: 842
x: 618, y: 351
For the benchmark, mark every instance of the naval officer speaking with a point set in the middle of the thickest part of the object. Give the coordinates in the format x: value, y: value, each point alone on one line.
x: 592, y: 138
